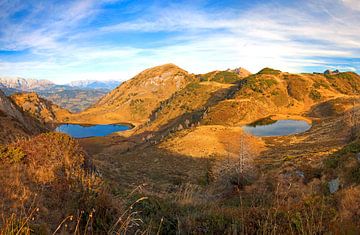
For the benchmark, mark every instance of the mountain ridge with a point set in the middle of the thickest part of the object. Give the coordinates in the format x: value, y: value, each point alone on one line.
x: 133, y: 100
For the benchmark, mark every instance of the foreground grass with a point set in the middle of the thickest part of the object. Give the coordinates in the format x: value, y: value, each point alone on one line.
x: 53, y: 187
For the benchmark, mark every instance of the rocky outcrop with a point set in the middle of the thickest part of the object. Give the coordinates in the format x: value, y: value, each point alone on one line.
x: 240, y: 71
x: 331, y: 72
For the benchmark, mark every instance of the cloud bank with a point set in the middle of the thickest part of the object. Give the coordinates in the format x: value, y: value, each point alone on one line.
x: 116, y: 39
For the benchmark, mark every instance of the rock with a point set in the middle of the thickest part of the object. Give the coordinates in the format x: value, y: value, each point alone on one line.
x: 358, y: 157
x: 334, y: 185
x: 240, y: 71
x: 300, y: 173
x: 329, y: 72
x: 180, y: 127
x: 149, y: 136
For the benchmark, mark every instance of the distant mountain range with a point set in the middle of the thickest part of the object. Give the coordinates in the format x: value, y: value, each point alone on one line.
x: 93, y: 84
x: 22, y: 84
x: 75, y: 96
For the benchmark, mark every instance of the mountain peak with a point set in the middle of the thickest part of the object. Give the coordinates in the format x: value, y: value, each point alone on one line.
x: 240, y: 71
x: 160, y: 69
x: 135, y: 99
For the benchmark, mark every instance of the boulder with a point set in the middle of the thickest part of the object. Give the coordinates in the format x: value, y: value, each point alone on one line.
x: 334, y: 185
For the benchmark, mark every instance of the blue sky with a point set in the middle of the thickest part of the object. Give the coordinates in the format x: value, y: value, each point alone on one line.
x: 115, y: 39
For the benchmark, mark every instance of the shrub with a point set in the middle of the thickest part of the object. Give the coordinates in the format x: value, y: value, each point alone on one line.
x: 332, y: 162
x: 269, y: 71
x: 263, y: 122
x: 354, y: 175
x: 11, y: 154
x: 225, y: 77
x: 315, y: 95
x: 193, y: 86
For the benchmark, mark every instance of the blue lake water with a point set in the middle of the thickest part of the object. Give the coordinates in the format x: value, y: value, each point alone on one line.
x: 278, y: 128
x: 82, y: 131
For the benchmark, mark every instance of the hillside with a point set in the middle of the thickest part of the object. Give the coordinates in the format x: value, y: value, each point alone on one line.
x: 39, y: 108
x: 49, y: 179
x: 223, y: 98
x: 14, y: 123
x: 274, y: 92
x: 228, y: 76
x: 134, y: 100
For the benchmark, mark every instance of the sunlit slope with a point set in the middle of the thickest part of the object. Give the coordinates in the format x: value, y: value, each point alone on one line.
x: 274, y: 92
x: 134, y: 100
x: 40, y: 108
x: 15, y: 123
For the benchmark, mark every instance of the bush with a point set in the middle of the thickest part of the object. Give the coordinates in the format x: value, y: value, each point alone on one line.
x: 11, y: 154
x: 354, y: 175
x: 315, y: 95
x: 269, y: 71
x: 263, y: 122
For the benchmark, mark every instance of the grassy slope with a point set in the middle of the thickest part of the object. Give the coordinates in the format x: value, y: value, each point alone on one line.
x: 39, y: 108
x: 15, y: 123
x: 269, y: 93
x: 49, y: 179
x: 134, y: 100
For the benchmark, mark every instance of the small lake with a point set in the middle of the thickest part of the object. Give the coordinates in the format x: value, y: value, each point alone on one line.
x: 83, y: 131
x: 278, y: 128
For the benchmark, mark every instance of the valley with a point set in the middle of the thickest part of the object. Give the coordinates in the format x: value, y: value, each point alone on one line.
x: 188, y: 165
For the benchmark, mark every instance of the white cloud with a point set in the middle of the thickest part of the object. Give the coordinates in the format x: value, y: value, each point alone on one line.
x: 287, y: 38
x: 352, y: 4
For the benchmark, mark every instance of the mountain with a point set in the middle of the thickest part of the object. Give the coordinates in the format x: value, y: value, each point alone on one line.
x: 74, y: 98
x: 134, y: 100
x: 14, y: 123
x: 39, y: 108
x: 275, y: 92
x: 93, y: 84
x: 25, y: 84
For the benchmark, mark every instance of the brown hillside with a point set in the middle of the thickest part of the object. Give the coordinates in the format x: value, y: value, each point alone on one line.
x: 185, y: 107
x: 228, y: 76
x: 40, y: 108
x: 274, y: 92
x: 14, y: 123
x: 134, y: 100
x: 45, y: 180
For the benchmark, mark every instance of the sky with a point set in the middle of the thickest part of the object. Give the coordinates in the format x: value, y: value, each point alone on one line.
x: 63, y: 41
